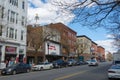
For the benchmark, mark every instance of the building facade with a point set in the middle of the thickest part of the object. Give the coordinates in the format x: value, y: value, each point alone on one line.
x: 101, y: 53
x: 13, y: 15
x: 84, y: 47
x: 94, y: 49
x: 68, y: 39
x: 48, y: 42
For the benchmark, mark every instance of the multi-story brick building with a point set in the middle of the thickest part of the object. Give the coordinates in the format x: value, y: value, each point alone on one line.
x: 68, y: 39
x: 48, y: 42
x: 13, y: 15
x: 101, y: 53
x: 94, y: 49
x: 84, y: 48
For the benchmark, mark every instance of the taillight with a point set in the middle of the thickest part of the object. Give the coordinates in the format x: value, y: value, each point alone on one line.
x: 111, y: 72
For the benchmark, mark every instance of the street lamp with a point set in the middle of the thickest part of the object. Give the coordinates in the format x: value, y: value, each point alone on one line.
x: 48, y: 44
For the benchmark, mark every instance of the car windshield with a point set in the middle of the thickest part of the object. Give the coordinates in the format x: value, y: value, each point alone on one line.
x: 115, y: 67
x: 93, y: 61
x: 70, y: 60
x: 117, y: 62
x: 41, y: 63
x: 14, y: 65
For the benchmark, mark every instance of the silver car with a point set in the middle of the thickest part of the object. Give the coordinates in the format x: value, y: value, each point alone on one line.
x: 114, y: 72
x: 42, y: 66
x: 93, y: 62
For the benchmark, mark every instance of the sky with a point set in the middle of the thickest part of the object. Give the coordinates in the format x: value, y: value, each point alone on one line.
x: 49, y: 13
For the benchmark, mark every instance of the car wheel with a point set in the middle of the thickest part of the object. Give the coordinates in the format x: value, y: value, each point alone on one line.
x: 14, y: 72
x: 51, y: 67
x: 41, y: 68
x: 28, y: 70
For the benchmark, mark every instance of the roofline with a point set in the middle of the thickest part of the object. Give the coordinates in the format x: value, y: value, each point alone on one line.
x: 84, y: 36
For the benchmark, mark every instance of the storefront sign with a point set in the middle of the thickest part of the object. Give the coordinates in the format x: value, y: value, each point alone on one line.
x: 10, y: 49
x: 52, y: 49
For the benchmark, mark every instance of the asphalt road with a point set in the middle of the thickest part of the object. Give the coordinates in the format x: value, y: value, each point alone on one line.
x: 83, y: 72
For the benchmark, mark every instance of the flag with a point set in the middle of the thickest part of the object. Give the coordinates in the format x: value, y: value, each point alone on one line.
x: 17, y: 58
x: 24, y: 58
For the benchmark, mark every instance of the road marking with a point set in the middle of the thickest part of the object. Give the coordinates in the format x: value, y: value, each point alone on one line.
x: 70, y: 75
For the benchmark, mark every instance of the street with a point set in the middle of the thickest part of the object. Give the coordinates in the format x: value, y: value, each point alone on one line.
x: 83, y: 72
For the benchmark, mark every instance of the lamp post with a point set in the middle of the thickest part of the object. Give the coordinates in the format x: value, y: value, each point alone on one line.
x: 48, y: 44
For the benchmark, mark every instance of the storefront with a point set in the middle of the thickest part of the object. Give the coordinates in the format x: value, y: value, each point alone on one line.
x: 53, y: 51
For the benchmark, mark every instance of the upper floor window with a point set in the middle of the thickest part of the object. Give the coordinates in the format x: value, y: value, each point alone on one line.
x: 23, y: 5
x: 1, y: 30
x: 11, y: 34
x: 16, y: 34
x: 16, y: 18
x: 12, y: 17
x: 22, y: 34
x: 8, y: 15
x: 7, y: 32
x: 2, y: 12
x: 22, y: 22
x: 14, y: 2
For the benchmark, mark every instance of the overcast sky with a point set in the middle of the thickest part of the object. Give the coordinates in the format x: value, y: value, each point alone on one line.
x: 49, y: 13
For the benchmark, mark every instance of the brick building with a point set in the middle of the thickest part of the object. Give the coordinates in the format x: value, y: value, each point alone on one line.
x: 68, y: 39
x: 101, y: 53
x: 84, y: 48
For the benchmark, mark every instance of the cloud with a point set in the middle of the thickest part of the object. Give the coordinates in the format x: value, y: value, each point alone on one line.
x: 107, y: 44
x: 47, y: 13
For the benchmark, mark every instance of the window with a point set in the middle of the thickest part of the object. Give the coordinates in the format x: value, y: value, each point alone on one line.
x: 23, y: 5
x: 22, y: 20
x: 16, y: 18
x: 8, y: 15
x: 1, y: 30
x: 14, y: 2
x: 12, y: 17
x: 11, y: 35
x: 22, y: 33
x: 16, y: 34
x: 7, y: 32
x: 10, y: 1
x: 2, y: 12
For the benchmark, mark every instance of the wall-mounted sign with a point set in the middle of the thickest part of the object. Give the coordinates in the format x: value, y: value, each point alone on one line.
x: 52, y: 49
x: 10, y: 49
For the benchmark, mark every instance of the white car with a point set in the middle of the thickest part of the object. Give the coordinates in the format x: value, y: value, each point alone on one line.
x: 93, y: 62
x: 42, y: 66
x: 114, y: 72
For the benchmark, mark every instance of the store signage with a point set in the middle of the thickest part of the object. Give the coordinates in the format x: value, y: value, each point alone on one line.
x: 10, y: 49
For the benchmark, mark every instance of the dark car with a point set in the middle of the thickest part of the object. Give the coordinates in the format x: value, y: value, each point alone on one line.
x: 16, y: 68
x: 81, y: 62
x: 59, y: 63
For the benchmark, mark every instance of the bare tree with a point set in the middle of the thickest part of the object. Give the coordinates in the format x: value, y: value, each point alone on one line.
x: 93, y: 13
x: 115, y: 29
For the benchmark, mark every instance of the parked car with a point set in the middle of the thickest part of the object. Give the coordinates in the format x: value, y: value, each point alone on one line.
x: 81, y: 62
x: 42, y: 66
x: 93, y: 62
x: 114, y: 72
x: 71, y: 62
x: 59, y: 63
x: 16, y: 68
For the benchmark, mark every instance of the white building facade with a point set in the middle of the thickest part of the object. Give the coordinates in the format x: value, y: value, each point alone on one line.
x: 13, y: 15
